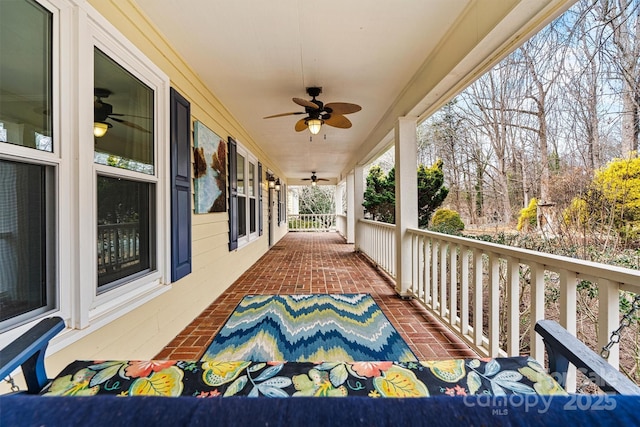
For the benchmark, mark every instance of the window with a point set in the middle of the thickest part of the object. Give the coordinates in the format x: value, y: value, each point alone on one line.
x: 253, y: 226
x: 28, y: 261
x: 244, y: 206
x: 25, y: 75
x: 83, y: 219
x: 282, y: 204
x: 125, y: 224
x: 242, y: 197
x: 124, y: 105
x: 126, y: 211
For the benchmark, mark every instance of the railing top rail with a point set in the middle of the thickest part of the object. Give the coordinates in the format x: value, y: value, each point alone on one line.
x: 119, y: 225
x: 377, y: 223
x: 581, y: 267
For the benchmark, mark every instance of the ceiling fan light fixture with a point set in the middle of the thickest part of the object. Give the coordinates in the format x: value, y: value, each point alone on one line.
x: 314, y: 126
x: 100, y: 129
x: 313, y: 183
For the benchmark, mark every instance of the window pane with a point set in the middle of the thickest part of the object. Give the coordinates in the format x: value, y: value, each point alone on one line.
x: 252, y: 215
x: 242, y: 216
x: 252, y: 174
x: 26, y: 236
x: 240, y: 174
x: 25, y: 74
x: 124, y: 105
x: 126, y: 244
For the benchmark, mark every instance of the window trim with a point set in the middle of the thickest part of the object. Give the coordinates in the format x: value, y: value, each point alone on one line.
x: 249, y: 158
x: 59, y: 199
x: 91, y: 305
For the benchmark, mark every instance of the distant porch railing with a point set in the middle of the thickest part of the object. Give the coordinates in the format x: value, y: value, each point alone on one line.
x: 477, y: 288
x: 118, y: 246
x: 312, y: 222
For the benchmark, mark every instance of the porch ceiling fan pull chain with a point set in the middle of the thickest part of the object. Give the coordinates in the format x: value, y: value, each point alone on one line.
x: 12, y: 383
x: 626, y: 321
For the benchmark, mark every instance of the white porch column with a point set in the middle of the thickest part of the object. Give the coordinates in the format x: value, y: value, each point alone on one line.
x: 358, y: 199
x: 351, y: 214
x: 337, y: 199
x: 406, y: 198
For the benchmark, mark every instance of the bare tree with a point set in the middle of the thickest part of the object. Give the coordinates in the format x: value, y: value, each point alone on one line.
x: 490, y: 105
x: 584, y: 84
x: 623, y: 20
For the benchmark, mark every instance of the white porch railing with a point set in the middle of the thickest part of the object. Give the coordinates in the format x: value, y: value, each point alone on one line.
x: 312, y: 222
x: 377, y: 240
x: 477, y: 288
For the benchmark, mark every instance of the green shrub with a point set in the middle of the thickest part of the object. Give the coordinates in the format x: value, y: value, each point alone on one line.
x: 616, y: 188
x: 447, y: 221
x: 528, y: 216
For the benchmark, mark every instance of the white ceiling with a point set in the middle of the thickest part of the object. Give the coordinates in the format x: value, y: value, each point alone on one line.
x: 257, y: 55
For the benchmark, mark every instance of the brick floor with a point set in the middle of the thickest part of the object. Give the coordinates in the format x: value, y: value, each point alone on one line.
x: 314, y: 263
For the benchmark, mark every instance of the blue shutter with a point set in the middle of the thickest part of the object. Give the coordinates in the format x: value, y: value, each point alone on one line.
x: 180, y: 186
x: 233, y: 195
x: 260, y: 199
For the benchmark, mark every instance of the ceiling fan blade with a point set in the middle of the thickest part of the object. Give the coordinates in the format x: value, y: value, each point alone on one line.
x: 343, y: 107
x: 338, y: 121
x: 305, y: 179
x: 301, y: 125
x: 306, y: 103
x: 131, y: 125
x: 284, y: 114
x: 322, y: 179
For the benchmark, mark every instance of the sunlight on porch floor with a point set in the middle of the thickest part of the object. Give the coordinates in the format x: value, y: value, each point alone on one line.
x: 313, y: 263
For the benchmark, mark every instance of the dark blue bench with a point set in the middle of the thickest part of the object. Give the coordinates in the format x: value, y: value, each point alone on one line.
x: 28, y: 408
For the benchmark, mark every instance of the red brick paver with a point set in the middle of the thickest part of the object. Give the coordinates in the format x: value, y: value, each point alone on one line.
x: 319, y: 263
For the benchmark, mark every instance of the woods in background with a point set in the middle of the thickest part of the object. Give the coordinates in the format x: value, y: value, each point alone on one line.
x: 544, y: 120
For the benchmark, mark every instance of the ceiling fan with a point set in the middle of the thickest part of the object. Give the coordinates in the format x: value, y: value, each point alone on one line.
x: 103, y: 111
x: 314, y: 179
x: 319, y: 113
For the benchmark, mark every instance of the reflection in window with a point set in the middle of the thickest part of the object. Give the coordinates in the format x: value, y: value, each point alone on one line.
x: 25, y: 74
x: 124, y: 106
x: 252, y: 174
x: 252, y: 199
x: 27, y: 284
x: 126, y: 244
x: 242, y: 198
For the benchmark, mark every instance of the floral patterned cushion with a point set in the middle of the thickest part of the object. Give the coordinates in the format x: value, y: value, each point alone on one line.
x: 500, y: 376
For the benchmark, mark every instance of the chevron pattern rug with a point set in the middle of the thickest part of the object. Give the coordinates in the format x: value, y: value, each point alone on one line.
x: 308, y: 328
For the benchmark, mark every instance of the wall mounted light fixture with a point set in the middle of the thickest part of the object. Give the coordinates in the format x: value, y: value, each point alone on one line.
x: 271, y: 180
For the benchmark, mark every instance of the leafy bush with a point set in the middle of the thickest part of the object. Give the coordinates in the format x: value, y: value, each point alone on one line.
x: 577, y: 213
x: 447, y: 221
x: 528, y: 216
x: 613, y: 200
x: 618, y: 185
x: 380, y: 196
x: 431, y: 191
